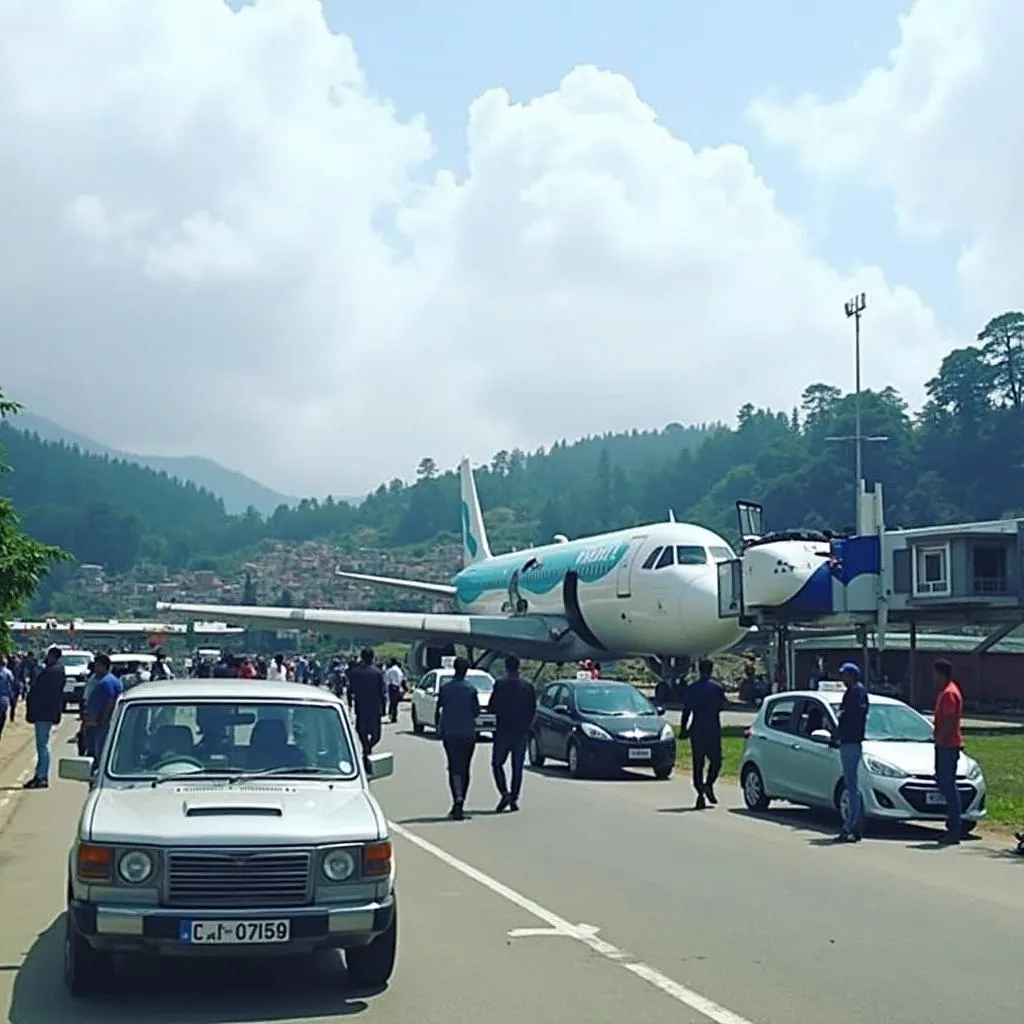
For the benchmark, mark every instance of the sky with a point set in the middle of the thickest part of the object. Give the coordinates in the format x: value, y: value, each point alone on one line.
x: 319, y: 241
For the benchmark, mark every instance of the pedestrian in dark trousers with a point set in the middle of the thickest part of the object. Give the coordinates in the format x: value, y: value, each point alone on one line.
x: 703, y: 701
x: 514, y: 705
x: 43, y: 708
x: 6, y: 693
x: 849, y: 737
x: 458, y: 707
x: 949, y: 744
x: 369, y: 697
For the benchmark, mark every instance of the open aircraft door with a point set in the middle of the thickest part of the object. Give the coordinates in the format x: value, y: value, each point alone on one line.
x: 730, y: 589
x: 624, y: 573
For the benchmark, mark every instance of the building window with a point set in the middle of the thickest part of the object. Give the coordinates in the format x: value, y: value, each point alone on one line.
x: 989, y: 576
x: 931, y: 571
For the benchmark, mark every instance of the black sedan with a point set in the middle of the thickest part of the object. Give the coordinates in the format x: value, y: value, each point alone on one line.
x: 600, y: 725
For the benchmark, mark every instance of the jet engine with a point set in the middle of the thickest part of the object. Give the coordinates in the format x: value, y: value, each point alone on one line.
x: 423, y: 657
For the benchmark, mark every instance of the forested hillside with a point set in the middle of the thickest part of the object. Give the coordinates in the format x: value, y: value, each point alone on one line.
x: 960, y: 458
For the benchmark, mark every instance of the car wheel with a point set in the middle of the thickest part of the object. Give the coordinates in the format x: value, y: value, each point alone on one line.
x: 663, y: 772
x: 842, y: 802
x: 417, y: 725
x: 86, y: 971
x: 574, y: 760
x: 371, y: 966
x: 537, y: 759
x: 754, y: 795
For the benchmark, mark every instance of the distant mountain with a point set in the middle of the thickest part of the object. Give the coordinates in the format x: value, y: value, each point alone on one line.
x: 236, y: 490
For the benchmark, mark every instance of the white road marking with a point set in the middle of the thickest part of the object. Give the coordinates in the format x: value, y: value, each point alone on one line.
x: 586, y: 934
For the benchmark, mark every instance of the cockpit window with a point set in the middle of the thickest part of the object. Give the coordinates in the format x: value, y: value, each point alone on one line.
x: 652, y: 558
x: 722, y: 554
x: 691, y: 554
x: 666, y: 557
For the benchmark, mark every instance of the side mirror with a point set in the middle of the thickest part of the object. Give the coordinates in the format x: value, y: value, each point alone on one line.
x: 822, y: 736
x: 659, y: 708
x: 561, y: 709
x: 75, y: 769
x: 381, y: 766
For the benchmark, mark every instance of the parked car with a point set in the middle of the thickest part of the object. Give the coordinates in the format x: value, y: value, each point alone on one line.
x: 788, y: 756
x: 76, y: 673
x: 601, y: 725
x: 425, y: 693
x: 226, y: 819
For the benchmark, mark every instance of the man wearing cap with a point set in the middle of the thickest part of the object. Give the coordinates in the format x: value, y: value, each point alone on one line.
x: 853, y: 717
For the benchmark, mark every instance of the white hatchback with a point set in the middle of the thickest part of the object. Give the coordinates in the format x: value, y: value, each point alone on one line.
x: 787, y: 756
x: 425, y: 692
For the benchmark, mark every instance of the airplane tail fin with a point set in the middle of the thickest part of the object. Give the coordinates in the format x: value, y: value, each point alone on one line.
x: 474, y: 534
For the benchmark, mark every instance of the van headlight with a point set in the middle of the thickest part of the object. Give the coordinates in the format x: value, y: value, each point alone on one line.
x: 594, y: 732
x: 135, y: 866
x: 338, y: 865
x: 889, y: 771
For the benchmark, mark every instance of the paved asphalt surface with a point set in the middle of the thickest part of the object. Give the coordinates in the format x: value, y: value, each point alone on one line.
x: 693, y: 916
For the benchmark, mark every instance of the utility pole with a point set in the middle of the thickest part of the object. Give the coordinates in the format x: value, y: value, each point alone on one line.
x: 854, y: 308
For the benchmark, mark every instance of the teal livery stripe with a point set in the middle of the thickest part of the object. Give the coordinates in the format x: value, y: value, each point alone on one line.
x: 592, y: 560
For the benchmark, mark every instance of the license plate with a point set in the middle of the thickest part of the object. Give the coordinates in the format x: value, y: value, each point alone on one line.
x: 640, y: 754
x: 935, y: 799
x: 486, y: 722
x: 235, y: 933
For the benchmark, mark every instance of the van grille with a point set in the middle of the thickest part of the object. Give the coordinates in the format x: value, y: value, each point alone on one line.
x: 238, y: 879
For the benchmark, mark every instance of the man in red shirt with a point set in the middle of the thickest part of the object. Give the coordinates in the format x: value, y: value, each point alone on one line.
x: 949, y: 742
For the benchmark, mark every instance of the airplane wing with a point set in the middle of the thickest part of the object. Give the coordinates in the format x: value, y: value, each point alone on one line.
x: 417, y: 586
x: 537, y: 637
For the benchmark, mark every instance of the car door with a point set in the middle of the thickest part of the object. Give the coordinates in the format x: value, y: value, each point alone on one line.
x: 814, y: 766
x: 777, y: 753
x: 561, y: 722
x: 542, y: 723
x: 421, y: 699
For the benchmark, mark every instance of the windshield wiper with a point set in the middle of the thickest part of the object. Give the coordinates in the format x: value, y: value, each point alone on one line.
x: 200, y: 773
x: 264, y: 773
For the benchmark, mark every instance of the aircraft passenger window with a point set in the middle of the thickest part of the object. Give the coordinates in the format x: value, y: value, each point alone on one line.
x: 652, y: 558
x: 722, y: 554
x: 666, y: 557
x: 691, y: 554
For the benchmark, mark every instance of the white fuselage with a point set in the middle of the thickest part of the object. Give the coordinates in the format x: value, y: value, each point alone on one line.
x: 632, y: 597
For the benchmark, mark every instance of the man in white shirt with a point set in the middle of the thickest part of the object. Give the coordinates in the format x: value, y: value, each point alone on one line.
x: 277, y: 672
x: 394, y: 678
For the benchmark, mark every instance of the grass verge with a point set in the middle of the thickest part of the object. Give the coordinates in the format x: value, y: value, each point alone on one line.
x: 1000, y: 752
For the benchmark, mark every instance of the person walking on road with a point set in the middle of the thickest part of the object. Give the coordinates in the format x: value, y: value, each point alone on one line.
x: 43, y: 707
x: 366, y: 686
x: 853, y: 719
x: 99, y: 706
x: 276, y: 670
x: 458, y: 707
x: 396, y: 684
x: 514, y: 704
x: 949, y: 743
x: 703, y: 701
x: 7, y: 692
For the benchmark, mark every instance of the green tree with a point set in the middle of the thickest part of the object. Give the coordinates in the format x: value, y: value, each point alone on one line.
x: 23, y: 561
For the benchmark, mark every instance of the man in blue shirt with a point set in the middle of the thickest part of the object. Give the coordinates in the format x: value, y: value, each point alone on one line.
x: 458, y: 708
x: 7, y: 692
x: 849, y: 737
x: 99, y: 707
x: 703, y: 701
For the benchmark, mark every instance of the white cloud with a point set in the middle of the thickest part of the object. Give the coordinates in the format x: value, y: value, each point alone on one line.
x: 940, y: 127
x: 218, y: 214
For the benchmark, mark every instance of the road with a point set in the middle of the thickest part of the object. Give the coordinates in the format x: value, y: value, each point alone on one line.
x: 600, y: 901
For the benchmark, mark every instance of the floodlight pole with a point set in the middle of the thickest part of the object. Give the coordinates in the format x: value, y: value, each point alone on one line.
x: 854, y: 308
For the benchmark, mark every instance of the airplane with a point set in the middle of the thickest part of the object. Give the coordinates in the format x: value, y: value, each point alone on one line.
x: 647, y: 591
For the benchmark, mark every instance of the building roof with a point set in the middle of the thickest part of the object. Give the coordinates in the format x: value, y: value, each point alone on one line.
x: 946, y: 643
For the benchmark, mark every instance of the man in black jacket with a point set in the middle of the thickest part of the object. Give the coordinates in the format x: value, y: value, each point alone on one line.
x: 514, y: 705
x: 458, y: 707
x: 43, y: 707
x: 369, y: 697
x: 849, y: 737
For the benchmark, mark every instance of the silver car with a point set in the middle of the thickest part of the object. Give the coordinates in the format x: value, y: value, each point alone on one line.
x: 227, y: 817
x: 788, y: 756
